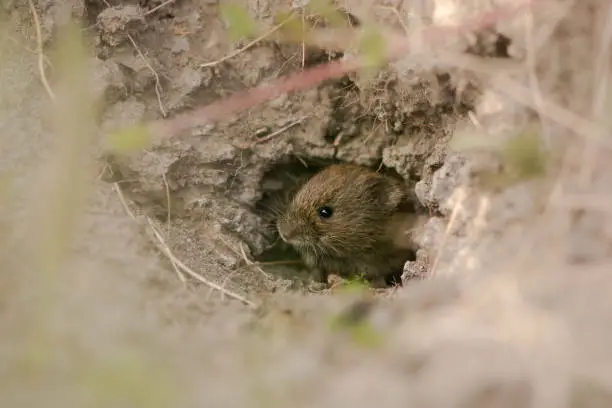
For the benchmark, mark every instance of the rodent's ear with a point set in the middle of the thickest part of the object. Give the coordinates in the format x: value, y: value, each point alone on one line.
x: 389, y: 192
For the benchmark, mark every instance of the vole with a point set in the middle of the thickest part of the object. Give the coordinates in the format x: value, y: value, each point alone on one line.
x: 346, y: 220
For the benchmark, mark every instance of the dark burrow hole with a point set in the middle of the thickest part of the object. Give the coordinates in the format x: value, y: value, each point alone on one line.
x: 278, y: 185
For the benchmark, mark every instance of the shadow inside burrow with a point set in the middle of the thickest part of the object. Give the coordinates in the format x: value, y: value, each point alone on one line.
x: 279, y: 184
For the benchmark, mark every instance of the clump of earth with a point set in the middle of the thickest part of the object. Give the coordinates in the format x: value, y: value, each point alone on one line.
x: 213, y: 187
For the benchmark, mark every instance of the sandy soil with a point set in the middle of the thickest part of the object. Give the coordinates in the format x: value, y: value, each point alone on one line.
x: 505, y: 306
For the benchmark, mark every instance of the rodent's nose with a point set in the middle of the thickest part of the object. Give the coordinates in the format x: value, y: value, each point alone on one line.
x: 286, y: 232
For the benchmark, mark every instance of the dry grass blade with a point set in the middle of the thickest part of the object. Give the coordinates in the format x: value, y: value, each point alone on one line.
x: 184, y: 268
x: 123, y: 201
x: 601, y: 92
x: 460, y: 196
x: 41, y: 55
x: 246, y: 47
x: 279, y: 131
x: 158, y: 236
x: 155, y: 75
x: 251, y: 263
x: 157, y: 8
x: 162, y: 243
x: 180, y: 268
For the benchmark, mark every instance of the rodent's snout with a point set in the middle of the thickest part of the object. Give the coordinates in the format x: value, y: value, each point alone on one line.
x: 286, y: 233
x: 289, y: 232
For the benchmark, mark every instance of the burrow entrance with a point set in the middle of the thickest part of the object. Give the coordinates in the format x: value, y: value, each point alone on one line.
x: 280, y: 182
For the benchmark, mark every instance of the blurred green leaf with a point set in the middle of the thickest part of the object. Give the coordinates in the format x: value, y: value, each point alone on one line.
x: 129, y: 381
x: 355, y: 323
x: 524, y: 155
x: 293, y: 28
x: 6, y: 183
x: 70, y: 167
x: 130, y: 139
x: 364, y: 335
x: 471, y: 138
x: 326, y: 9
x: 373, y: 47
x: 353, y: 285
x: 241, y: 25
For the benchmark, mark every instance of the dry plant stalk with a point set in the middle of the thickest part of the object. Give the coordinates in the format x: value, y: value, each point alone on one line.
x: 40, y: 52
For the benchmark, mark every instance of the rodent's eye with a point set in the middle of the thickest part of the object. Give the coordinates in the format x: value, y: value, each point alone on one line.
x: 325, y: 212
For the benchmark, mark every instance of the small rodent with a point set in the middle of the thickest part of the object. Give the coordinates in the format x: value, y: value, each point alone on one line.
x: 344, y: 221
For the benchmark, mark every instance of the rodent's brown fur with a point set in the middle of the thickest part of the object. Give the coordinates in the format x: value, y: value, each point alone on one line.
x: 357, y: 240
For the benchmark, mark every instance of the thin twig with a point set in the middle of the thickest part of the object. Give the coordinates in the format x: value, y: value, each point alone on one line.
x: 41, y: 55
x: 253, y: 264
x: 279, y: 131
x: 200, y: 278
x: 303, y: 35
x: 397, y: 15
x: 246, y: 47
x: 601, y: 93
x: 168, y: 201
x: 460, y: 197
x: 169, y: 204
x: 158, y: 88
x: 227, y: 278
x: 123, y: 201
x: 533, y: 81
x: 144, y: 59
x: 165, y: 249
x: 159, y: 237
x: 156, y: 8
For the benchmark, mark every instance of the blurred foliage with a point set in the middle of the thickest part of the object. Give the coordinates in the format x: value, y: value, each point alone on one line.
x: 373, y: 47
x: 317, y: 13
x: 466, y: 139
x: 6, y: 182
x: 364, y: 335
x: 327, y: 10
x: 129, y: 381
x: 522, y: 156
x: 355, y: 284
x: 293, y: 28
x: 241, y: 25
x: 354, y: 322
x: 129, y: 139
x: 70, y: 167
